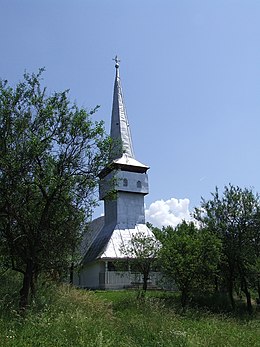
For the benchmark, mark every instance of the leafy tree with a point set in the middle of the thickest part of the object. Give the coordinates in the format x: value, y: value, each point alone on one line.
x: 51, y: 153
x: 142, y: 251
x: 189, y: 256
x: 233, y: 217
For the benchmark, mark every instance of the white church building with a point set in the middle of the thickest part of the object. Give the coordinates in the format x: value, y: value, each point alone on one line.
x: 124, y: 215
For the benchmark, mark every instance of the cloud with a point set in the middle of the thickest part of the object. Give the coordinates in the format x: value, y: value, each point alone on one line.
x: 170, y: 212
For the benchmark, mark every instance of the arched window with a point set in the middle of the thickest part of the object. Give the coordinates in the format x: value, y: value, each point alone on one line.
x: 125, y: 182
x: 139, y: 184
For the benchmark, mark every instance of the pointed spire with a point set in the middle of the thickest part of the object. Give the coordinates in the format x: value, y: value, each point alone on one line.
x: 120, y: 130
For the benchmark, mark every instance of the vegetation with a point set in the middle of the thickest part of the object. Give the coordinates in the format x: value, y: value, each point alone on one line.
x: 51, y: 153
x: 142, y: 251
x: 189, y: 257
x: 64, y: 316
x: 222, y: 254
x: 234, y: 218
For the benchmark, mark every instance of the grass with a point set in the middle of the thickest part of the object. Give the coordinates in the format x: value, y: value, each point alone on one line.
x: 156, y: 321
x: 67, y: 317
x: 64, y: 316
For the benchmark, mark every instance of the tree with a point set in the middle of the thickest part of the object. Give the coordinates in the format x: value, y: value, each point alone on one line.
x: 189, y: 256
x: 142, y: 250
x: 51, y: 153
x: 256, y: 264
x: 233, y: 217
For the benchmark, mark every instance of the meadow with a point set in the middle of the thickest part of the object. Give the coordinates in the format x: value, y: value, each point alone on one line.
x: 65, y: 316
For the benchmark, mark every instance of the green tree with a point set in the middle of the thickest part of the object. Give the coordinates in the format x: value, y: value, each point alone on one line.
x: 233, y: 217
x: 142, y: 252
x: 189, y: 256
x: 51, y: 153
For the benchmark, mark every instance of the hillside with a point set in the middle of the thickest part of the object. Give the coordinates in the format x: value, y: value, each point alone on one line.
x: 64, y: 316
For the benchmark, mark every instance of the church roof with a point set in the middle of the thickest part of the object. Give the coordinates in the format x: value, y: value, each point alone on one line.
x: 120, y: 130
x: 126, y: 160
x: 90, y: 234
x: 106, y: 241
x: 125, y: 163
x: 122, y: 153
x: 120, y: 238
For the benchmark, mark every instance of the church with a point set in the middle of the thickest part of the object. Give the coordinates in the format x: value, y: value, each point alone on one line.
x: 124, y: 214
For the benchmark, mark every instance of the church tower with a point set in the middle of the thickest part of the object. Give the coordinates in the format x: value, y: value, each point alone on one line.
x: 125, y: 175
x: 124, y: 217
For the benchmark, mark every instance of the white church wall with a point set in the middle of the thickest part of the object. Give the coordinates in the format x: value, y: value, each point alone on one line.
x: 88, y: 276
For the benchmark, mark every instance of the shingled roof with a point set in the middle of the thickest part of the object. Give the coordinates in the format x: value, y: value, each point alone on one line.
x: 106, y: 241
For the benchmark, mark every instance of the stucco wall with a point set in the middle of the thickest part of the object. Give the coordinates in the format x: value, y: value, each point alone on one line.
x: 88, y: 276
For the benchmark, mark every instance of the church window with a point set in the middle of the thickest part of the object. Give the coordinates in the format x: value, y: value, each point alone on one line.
x: 139, y: 184
x: 125, y: 182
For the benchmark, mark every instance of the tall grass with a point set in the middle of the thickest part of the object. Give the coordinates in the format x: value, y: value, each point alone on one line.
x: 60, y: 315
x: 64, y: 316
x: 158, y: 320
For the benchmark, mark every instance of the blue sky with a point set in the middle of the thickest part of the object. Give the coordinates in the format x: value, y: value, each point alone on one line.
x: 190, y: 72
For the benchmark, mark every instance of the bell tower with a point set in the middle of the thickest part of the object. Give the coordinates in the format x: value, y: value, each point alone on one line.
x: 126, y: 176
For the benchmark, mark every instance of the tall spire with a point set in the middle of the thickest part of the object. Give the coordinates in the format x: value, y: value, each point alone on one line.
x: 120, y: 130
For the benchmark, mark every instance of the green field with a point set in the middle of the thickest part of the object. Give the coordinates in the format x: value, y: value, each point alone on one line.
x: 65, y: 316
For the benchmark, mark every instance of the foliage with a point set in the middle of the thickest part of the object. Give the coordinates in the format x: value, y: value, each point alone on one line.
x: 60, y: 316
x: 189, y: 256
x: 64, y: 316
x: 142, y: 251
x: 234, y: 218
x: 51, y: 153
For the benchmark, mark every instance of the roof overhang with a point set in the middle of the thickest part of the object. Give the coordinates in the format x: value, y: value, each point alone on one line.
x: 124, y: 163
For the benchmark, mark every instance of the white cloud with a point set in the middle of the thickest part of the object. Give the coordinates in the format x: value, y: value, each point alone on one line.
x: 170, y: 212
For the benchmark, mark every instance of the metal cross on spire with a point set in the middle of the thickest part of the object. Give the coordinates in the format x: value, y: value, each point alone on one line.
x: 120, y: 130
x: 117, y: 61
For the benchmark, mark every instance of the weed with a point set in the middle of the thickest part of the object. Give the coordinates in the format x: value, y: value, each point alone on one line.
x: 63, y: 316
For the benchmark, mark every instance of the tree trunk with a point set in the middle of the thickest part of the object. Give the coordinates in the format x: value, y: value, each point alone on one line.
x: 27, y: 283
x: 247, y: 294
x: 184, y: 298
x: 145, y: 279
x: 71, y: 272
x: 230, y: 293
x: 258, y: 290
x: 216, y: 284
x: 32, y: 287
x: 185, y: 295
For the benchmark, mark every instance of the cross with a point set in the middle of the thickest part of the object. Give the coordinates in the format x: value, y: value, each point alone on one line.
x: 117, y: 60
